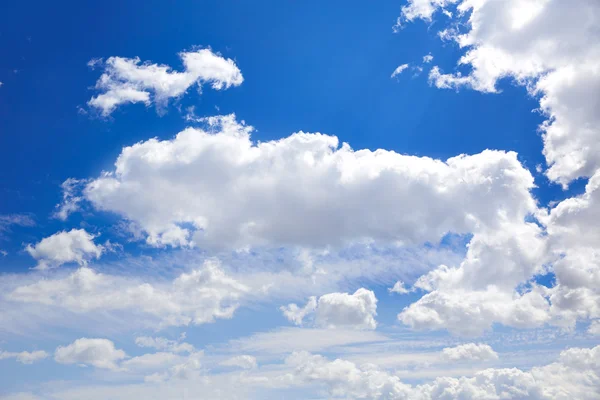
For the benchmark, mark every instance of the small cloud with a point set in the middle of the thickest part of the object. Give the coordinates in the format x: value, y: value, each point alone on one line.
x: 427, y: 59
x: 95, y: 62
x: 399, y: 288
x: 399, y: 70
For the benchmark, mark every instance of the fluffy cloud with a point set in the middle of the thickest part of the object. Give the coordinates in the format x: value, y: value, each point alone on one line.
x: 197, y: 297
x: 100, y: 353
x: 575, y: 375
x: 470, y: 352
x: 214, y: 186
x: 519, y: 39
x: 76, y: 245
x: 125, y: 80
x: 399, y: 288
x: 243, y: 361
x: 24, y: 357
x: 338, y: 310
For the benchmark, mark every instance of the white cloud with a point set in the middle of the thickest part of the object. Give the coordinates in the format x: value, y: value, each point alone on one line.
x: 186, y: 370
x: 197, y: 297
x: 338, y: 310
x: 470, y: 352
x: 574, y: 376
x: 100, y: 353
x: 427, y: 58
x: 24, y: 357
x: 297, y: 314
x: 399, y: 70
x: 399, y: 288
x: 243, y: 361
x: 286, y: 340
x: 519, y: 39
x: 7, y: 220
x: 125, y: 80
x: 160, y: 343
x: 76, y: 245
x: 71, y: 199
x: 594, y: 328
x: 215, y: 187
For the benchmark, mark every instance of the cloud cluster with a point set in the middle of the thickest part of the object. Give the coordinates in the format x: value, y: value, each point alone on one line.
x: 100, y: 353
x: 197, y: 297
x: 215, y: 187
x: 63, y: 247
x: 337, y: 310
x: 519, y: 39
x: 469, y: 352
x: 125, y: 80
x: 24, y: 357
x: 575, y: 375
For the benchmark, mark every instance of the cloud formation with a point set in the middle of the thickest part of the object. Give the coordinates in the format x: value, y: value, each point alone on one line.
x: 63, y: 247
x: 215, y: 187
x: 125, y: 80
x: 197, y: 297
x: 337, y: 310
x: 100, y: 353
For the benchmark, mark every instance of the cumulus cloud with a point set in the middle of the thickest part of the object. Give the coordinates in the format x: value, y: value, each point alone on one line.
x: 100, y: 353
x: 214, y: 186
x: 469, y: 352
x: 243, y: 361
x: 196, y: 297
x: 296, y: 314
x: 574, y: 375
x: 399, y: 70
x: 399, y: 288
x: 338, y: 310
x: 127, y: 80
x: 24, y: 357
x: 63, y: 247
x: 519, y: 39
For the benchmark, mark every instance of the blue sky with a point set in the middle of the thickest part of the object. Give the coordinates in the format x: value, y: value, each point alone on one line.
x: 263, y: 245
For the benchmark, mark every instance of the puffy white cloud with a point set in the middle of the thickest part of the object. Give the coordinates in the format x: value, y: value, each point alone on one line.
x: 214, y: 186
x: 125, y: 80
x: 399, y: 70
x: 100, y: 353
x: 24, y: 357
x: 296, y: 314
x: 427, y: 59
x: 160, y: 343
x: 470, y: 352
x: 338, y: 310
x: 197, y: 297
x: 186, y: 370
x: 76, y: 245
x: 471, y: 312
x: 575, y: 375
x: 399, y: 288
x: 594, y: 328
x: 243, y: 361
x: 519, y: 39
